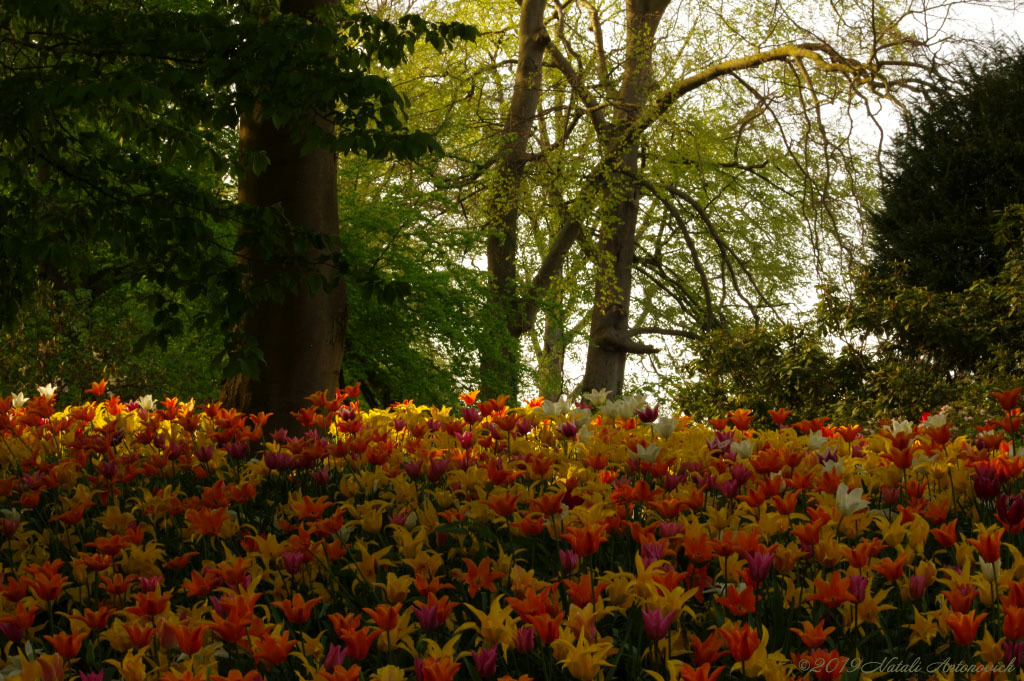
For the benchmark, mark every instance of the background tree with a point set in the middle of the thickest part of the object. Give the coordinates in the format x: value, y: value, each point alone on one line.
x: 737, y: 143
x: 958, y: 162
x: 121, y: 131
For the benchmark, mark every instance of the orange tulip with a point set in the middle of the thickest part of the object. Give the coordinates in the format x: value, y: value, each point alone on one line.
x: 701, y: 673
x: 385, y: 616
x: 271, y: 649
x: 149, y: 604
x: 231, y: 629
x: 739, y: 603
x: 297, y: 609
x: 340, y: 673
x: 190, y: 639
x: 96, y: 620
x: 946, y: 535
x: 961, y: 598
x: 47, y: 587
x: 707, y: 651
x: 443, y: 669
x: 478, y: 576
x: 988, y: 546
x: 139, y: 635
x: 860, y: 555
x: 813, y: 637
x: 235, y: 675
x: 98, y: 388
x: 1007, y: 399
x: 1013, y: 622
x: 965, y: 626
x: 586, y: 540
x: 832, y: 593
x: 359, y: 642
x: 891, y: 569
x: 548, y: 627
x: 742, y: 641
x: 67, y: 645
x: 504, y: 504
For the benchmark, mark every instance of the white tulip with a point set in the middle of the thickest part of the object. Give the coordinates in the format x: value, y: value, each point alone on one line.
x: 47, y: 390
x: 19, y: 400
x: 597, y: 397
x: 899, y: 426
x: 990, y: 571
x: 147, y: 402
x: 559, y: 408
x: 581, y: 415
x: 816, y: 440
x: 742, y: 448
x: 635, y: 403
x: 849, y: 502
x: 648, y: 453
x: 614, y: 410
x: 664, y: 427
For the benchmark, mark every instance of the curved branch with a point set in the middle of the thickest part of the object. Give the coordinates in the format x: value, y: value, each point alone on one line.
x: 725, y: 249
x: 662, y: 331
x: 622, y: 341
x: 690, y: 245
x: 810, y: 51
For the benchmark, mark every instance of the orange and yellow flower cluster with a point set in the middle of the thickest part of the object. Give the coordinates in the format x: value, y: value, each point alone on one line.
x: 177, y: 541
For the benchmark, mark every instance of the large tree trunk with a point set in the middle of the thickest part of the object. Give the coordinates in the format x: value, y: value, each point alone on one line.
x: 500, y: 354
x: 610, y: 340
x: 302, y: 336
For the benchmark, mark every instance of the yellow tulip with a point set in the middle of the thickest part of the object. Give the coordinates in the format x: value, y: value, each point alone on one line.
x: 389, y: 673
x: 584, y: 660
x: 132, y: 667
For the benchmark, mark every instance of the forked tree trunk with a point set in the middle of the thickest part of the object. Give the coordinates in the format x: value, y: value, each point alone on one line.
x: 610, y: 341
x: 500, y: 355
x: 302, y: 337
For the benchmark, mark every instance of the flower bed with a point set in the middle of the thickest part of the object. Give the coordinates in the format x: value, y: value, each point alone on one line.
x: 179, y: 541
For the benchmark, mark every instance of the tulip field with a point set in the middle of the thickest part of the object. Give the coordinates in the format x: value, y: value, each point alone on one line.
x: 592, y: 540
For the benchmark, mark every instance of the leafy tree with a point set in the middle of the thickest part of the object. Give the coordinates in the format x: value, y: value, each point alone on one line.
x: 71, y: 338
x: 118, y: 134
x: 650, y: 153
x: 767, y: 367
x: 415, y: 306
x: 958, y: 161
x: 938, y: 346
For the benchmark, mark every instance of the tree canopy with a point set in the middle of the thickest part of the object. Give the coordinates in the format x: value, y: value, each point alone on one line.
x: 955, y: 165
x: 120, y: 154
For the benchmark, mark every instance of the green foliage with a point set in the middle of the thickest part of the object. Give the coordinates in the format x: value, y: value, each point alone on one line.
x: 117, y: 137
x: 893, y: 349
x: 70, y: 338
x: 951, y: 347
x: 414, y: 305
x: 767, y: 367
x: 959, y: 160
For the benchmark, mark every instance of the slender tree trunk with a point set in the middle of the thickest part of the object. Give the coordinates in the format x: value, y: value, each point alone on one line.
x: 610, y: 341
x: 500, y: 354
x: 302, y: 336
x: 551, y: 369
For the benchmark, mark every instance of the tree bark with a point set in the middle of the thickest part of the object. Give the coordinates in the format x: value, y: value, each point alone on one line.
x: 500, y: 354
x: 610, y: 340
x: 302, y: 336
